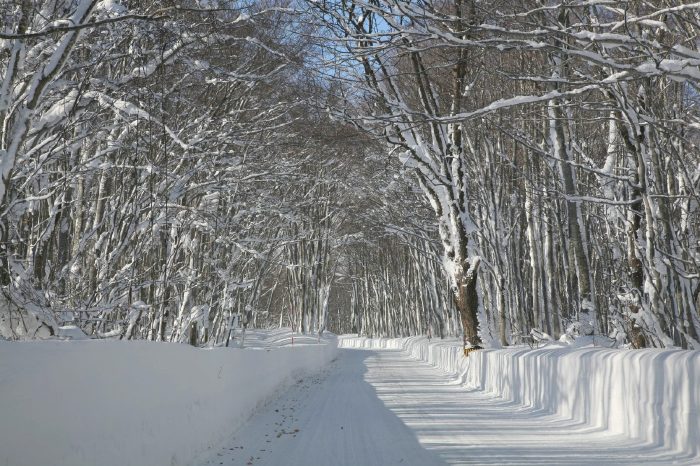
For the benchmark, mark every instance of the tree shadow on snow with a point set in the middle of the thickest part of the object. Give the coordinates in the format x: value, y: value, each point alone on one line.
x: 473, y: 427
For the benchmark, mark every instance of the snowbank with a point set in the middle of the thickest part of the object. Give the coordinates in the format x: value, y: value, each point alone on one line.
x: 650, y: 395
x: 136, y: 403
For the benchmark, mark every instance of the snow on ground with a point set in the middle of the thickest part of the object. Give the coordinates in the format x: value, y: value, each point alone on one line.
x: 255, y: 338
x: 379, y: 402
x: 138, y: 403
x: 334, y: 418
x: 410, y: 402
x: 612, y: 406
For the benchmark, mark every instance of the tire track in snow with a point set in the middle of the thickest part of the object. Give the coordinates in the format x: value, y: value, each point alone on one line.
x: 332, y: 418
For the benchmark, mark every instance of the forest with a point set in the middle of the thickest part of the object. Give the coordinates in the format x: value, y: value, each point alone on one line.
x: 493, y: 170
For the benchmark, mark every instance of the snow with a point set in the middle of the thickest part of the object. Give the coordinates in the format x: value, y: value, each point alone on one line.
x: 138, y: 403
x: 112, y: 6
x: 58, y: 111
x: 679, y: 70
x: 648, y: 400
x: 406, y: 401
x: 70, y: 332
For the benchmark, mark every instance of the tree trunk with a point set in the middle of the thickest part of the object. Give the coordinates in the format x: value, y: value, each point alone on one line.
x: 467, y: 302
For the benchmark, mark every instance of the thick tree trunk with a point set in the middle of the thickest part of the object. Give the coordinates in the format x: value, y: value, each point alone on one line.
x: 467, y: 302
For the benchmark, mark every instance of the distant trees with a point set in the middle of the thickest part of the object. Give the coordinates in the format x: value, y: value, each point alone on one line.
x: 168, y: 164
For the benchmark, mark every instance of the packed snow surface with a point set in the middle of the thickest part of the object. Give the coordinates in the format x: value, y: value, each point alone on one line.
x: 411, y: 402
x: 106, y: 403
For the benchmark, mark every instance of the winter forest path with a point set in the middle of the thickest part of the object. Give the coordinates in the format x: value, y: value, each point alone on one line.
x: 379, y: 407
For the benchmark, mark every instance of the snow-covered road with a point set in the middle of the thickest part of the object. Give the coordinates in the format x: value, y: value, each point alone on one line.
x: 380, y: 407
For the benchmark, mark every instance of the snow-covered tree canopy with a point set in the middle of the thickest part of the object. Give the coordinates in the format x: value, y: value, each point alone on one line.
x: 386, y: 167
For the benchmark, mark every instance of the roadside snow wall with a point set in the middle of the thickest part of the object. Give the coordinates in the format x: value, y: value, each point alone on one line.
x: 134, y: 403
x: 650, y: 395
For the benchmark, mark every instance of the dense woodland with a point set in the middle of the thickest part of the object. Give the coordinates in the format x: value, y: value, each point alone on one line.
x: 470, y: 168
